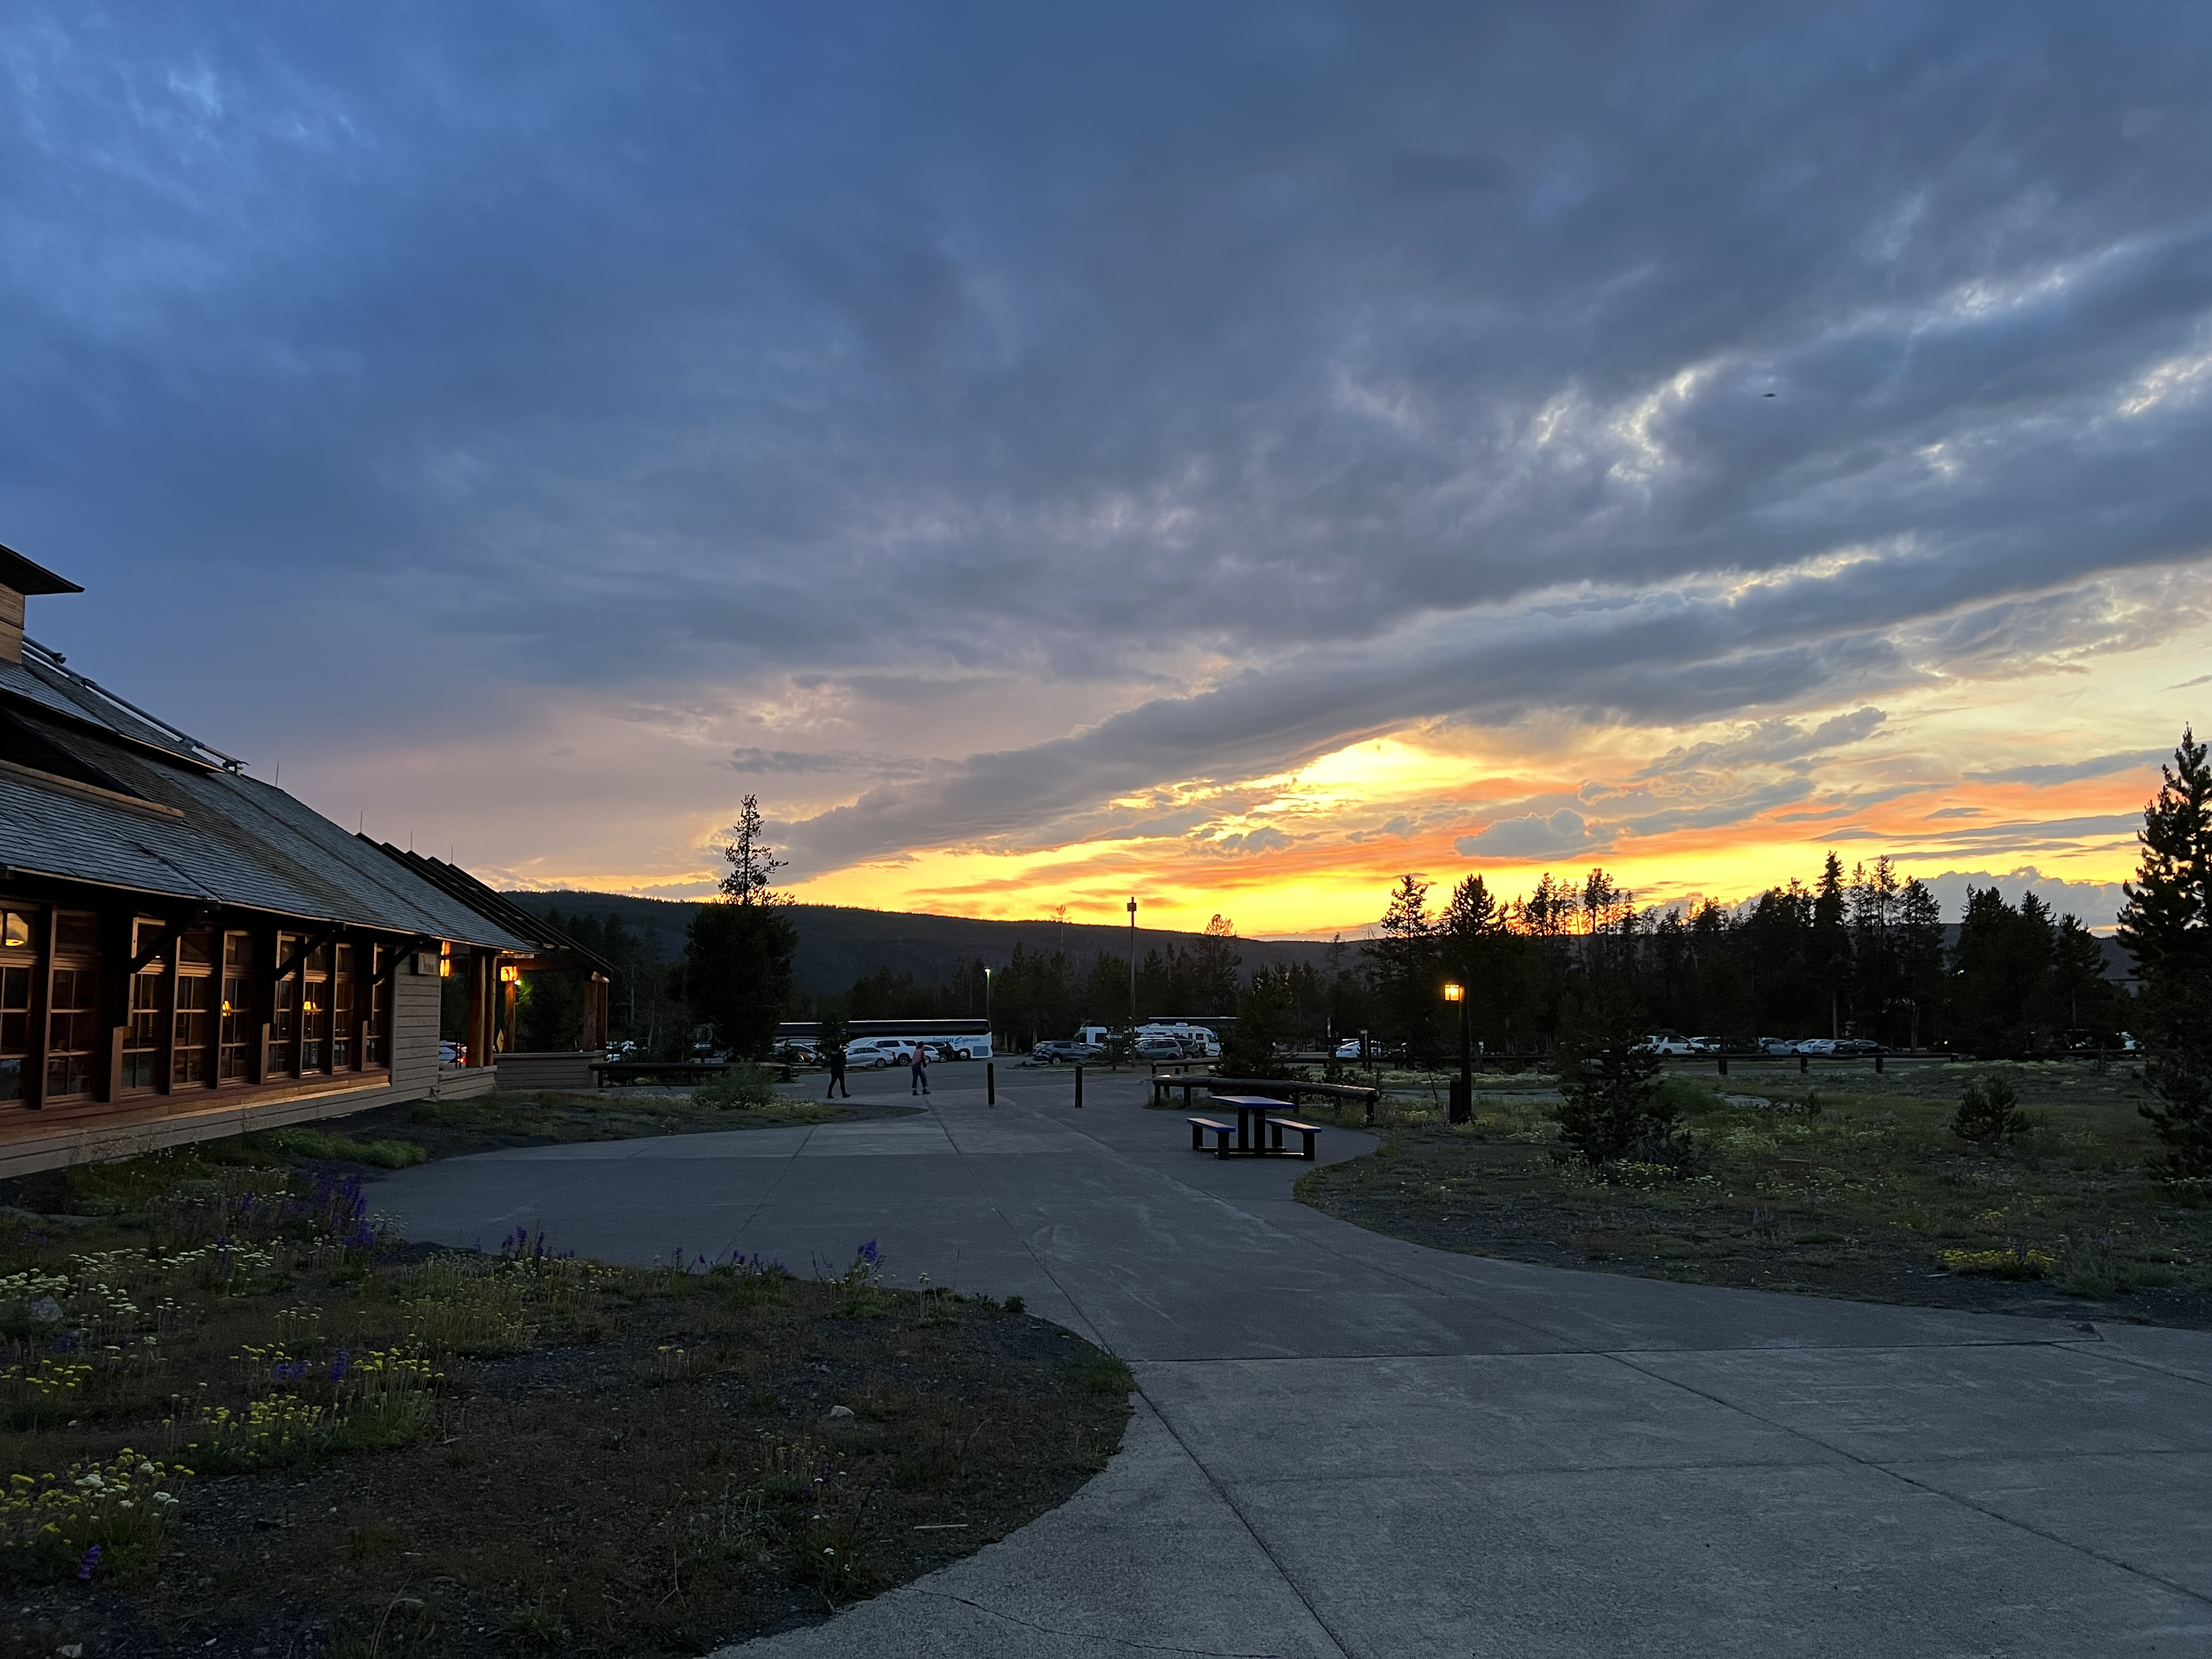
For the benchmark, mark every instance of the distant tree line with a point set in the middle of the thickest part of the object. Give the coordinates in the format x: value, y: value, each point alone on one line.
x: 1859, y: 953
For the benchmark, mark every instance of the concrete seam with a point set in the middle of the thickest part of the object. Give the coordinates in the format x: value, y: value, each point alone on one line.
x: 2138, y: 1362
x: 1251, y: 1531
x: 1902, y: 1479
x: 761, y: 1203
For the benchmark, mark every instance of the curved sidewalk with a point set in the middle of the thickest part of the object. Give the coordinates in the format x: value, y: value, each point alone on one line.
x: 1350, y: 1445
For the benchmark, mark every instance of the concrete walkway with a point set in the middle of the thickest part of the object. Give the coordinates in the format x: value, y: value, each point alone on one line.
x: 1350, y: 1445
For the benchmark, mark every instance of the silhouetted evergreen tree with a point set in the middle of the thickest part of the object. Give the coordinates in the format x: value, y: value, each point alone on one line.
x: 2166, y: 925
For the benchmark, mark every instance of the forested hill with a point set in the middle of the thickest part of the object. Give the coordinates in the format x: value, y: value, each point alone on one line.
x: 837, y: 945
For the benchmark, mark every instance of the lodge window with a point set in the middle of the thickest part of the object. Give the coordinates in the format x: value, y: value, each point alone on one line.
x: 141, y: 1038
x: 19, y: 960
x: 315, y: 1012
x: 343, y: 983
x: 283, y: 1012
x: 72, y: 1003
x: 194, y: 1028
x: 235, y: 1056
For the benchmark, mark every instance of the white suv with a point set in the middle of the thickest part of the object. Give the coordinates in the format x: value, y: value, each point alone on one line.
x: 873, y: 1053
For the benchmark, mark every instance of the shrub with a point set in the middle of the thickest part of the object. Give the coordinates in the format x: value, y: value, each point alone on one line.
x: 1989, y: 1112
x: 1613, y: 1110
x: 2013, y: 1263
x: 328, y: 1143
x: 745, y: 1087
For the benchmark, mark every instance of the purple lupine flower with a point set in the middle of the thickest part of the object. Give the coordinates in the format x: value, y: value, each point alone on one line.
x: 338, y: 1366
x: 91, y: 1560
x: 870, y: 1253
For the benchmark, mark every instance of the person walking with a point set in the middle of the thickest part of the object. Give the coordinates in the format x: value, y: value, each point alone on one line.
x: 837, y: 1073
x: 921, y: 1069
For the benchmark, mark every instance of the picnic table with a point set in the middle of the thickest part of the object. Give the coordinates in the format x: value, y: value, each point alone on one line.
x: 1252, y: 1129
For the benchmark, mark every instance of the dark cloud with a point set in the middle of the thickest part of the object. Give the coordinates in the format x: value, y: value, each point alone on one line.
x: 753, y: 762
x: 1410, y: 363
x: 2146, y: 760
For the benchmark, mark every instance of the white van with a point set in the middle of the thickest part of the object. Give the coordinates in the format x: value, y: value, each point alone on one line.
x: 1195, y: 1039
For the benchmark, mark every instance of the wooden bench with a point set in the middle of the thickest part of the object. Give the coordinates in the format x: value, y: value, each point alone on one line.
x: 1222, y: 1132
x: 1287, y: 1090
x: 1277, y: 1125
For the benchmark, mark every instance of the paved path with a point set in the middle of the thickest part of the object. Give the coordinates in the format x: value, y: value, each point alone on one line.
x: 1350, y: 1445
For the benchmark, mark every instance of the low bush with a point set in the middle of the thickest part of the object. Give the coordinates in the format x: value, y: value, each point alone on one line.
x: 1989, y: 1113
x: 744, y: 1088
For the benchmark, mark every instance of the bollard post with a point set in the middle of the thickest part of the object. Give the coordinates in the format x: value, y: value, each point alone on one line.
x: 990, y: 1083
x: 1877, y: 1064
x: 1078, y: 1088
x: 1723, y: 1065
x: 1803, y: 1065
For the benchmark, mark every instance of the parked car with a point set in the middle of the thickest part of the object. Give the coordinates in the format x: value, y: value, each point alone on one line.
x: 1858, y: 1048
x: 1348, y: 1049
x: 1704, y: 1045
x: 946, y: 1051
x: 1160, y: 1048
x: 449, y: 1054
x: 873, y: 1053
x: 1776, y: 1046
x: 1666, y: 1043
x: 797, y: 1053
x: 1054, y: 1050
x: 1822, y: 1047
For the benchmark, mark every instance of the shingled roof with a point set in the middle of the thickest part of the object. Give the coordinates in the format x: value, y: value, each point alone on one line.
x: 101, y: 792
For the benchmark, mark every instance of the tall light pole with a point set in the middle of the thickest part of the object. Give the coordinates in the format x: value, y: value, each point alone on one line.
x: 1132, y: 965
x: 986, y: 999
x: 1462, y: 1093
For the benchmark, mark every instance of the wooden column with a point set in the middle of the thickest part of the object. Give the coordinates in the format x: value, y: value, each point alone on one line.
x: 475, y: 1031
x: 595, y: 1011
x: 42, y: 938
x: 113, y: 1021
x: 263, y: 989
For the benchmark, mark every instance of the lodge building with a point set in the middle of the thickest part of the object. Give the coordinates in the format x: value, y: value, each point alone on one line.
x: 186, y: 951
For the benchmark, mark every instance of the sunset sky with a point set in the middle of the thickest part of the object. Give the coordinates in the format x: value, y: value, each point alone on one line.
x: 1227, y: 454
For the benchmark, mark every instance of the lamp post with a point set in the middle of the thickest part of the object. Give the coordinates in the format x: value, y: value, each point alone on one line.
x: 1463, y: 1090
x: 1132, y: 965
x: 987, y: 1000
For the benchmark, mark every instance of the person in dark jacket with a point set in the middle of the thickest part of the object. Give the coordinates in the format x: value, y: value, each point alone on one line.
x: 920, y: 1064
x: 837, y: 1073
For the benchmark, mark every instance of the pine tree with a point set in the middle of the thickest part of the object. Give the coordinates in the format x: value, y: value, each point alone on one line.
x: 2166, y: 925
x: 1403, y: 968
x: 1919, y: 942
x: 1832, y: 940
x: 738, y: 954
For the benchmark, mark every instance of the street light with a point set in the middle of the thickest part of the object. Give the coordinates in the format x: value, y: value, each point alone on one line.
x: 1132, y: 965
x: 1462, y: 1093
x: 987, y: 1000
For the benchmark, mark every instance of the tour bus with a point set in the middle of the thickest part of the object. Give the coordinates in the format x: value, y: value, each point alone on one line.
x: 894, y: 1039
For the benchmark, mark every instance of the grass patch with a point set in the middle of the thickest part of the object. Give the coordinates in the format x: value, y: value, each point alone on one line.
x: 237, y: 1413
x: 1851, y: 1183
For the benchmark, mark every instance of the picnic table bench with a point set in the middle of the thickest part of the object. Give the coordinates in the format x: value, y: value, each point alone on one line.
x: 1290, y: 1091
